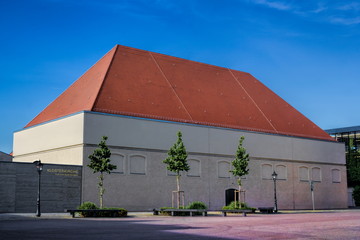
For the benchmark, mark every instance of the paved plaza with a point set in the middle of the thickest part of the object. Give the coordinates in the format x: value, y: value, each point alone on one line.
x: 343, y: 224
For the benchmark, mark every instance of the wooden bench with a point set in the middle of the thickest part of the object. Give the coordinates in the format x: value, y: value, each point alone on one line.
x: 243, y: 211
x: 266, y: 210
x: 173, y: 211
x: 93, y: 212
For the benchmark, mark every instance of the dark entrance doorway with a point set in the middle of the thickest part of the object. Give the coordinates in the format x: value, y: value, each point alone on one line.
x: 230, y: 195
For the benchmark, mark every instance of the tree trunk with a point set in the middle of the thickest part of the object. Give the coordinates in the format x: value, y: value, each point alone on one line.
x: 239, y: 198
x: 178, y: 190
x: 101, y: 189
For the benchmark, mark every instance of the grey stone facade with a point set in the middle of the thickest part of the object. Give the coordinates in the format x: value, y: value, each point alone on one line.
x: 141, y: 181
x: 60, y: 187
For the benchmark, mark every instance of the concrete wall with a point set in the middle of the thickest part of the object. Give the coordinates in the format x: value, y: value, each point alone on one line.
x: 71, y: 155
x: 57, y: 142
x: 7, y: 186
x: 61, y: 141
x: 153, y: 189
x: 60, y: 187
x: 152, y: 139
x: 135, y: 141
x: 147, y: 134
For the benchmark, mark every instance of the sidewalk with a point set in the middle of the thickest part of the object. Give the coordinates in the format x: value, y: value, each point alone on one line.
x: 17, y: 216
x: 322, y: 224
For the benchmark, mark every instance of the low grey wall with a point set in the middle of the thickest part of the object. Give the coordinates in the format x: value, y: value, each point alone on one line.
x: 60, y: 187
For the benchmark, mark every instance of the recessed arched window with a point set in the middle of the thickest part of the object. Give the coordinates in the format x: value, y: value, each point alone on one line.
x: 170, y: 173
x: 266, y: 171
x: 118, y: 160
x: 336, y: 175
x: 304, y: 173
x: 195, y: 168
x: 281, y: 171
x: 316, y: 174
x: 137, y: 164
x: 224, y: 169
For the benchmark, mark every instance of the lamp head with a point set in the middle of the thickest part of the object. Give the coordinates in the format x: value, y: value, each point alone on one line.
x: 39, y: 165
x: 274, y: 175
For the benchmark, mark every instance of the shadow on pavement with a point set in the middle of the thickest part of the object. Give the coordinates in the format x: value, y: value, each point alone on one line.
x: 89, y: 229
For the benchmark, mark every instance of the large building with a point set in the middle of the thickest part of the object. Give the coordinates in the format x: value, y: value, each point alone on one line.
x: 140, y: 99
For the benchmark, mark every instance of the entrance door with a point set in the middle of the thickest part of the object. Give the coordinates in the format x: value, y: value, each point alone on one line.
x: 230, y: 195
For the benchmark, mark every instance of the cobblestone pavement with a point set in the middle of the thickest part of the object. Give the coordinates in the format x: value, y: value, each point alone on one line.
x: 291, y: 225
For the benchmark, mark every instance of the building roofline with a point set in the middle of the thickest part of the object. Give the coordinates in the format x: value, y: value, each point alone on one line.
x: 177, y: 122
x: 343, y: 130
x: 140, y: 83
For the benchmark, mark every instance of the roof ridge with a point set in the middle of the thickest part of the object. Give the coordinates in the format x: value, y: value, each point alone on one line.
x: 105, y: 76
x: 182, y: 59
x: 171, y: 86
x: 257, y: 106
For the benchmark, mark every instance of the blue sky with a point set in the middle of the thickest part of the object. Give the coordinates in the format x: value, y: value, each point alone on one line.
x: 308, y: 52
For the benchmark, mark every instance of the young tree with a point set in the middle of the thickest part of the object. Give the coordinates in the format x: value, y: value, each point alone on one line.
x: 176, y: 162
x: 240, y: 163
x: 100, y: 163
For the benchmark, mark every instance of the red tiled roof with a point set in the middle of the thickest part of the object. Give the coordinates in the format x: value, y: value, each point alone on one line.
x: 128, y: 81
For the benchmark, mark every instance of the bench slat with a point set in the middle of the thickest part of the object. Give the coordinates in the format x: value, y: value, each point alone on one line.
x: 266, y: 209
x: 243, y: 211
x: 95, y: 211
x: 173, y: 211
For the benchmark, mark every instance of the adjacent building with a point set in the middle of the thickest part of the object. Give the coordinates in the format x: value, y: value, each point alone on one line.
x: 5, y: 157
x: 350, y: 136
x: 140, y: 99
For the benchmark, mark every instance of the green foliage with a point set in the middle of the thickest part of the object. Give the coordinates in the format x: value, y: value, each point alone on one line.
x: 193, y: 205
x: 241, y: 162
x: 100, y: 159
x: 87, y: 205
x: 117, y: 212
x: 176, y: 162
x: 164, y: 208
x: 353, y: 176
x: 235, y: 205
x: 353, y: 165
x: 177, y: 155
x: 356, y: 195
x: 100, y: 163
x: 175, y: 214
x: 196, y: 205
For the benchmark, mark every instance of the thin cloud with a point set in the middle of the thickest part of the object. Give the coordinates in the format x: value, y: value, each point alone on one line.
x: 345, y: 21
x: 352, y: 6
x: 344, y: 13
x: 274, y: 4
x: 319, y: 9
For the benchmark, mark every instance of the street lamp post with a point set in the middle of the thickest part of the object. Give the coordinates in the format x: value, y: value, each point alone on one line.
x: 39, y: 167
x: 274, y: 177
x: 312, y: 193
